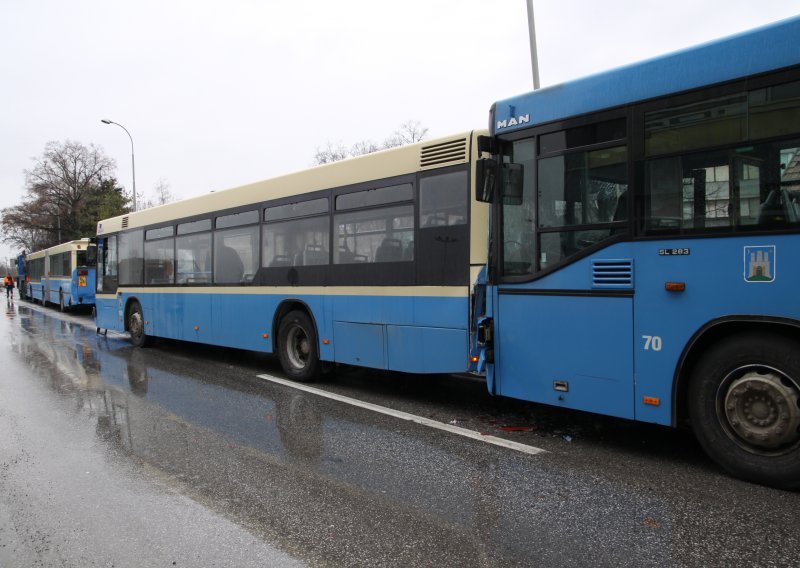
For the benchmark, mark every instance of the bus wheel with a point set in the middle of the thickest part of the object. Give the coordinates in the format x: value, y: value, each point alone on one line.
x: 744, y: 404
x: 297, y: 347
x: 136, y: 326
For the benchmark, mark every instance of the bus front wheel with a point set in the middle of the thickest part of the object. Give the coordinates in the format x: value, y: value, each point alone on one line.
x: 744, y: 405
x: 298, y: 350
x: 136, y: 326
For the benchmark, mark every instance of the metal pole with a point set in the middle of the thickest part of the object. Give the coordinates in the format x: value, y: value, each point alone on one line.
x: 133, y: 161
x: 534, y: 56
x: 133, y: 172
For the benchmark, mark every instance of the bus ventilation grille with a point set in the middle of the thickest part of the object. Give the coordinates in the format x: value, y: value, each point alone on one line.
x: 452, y: 151
x: 612, y: 274
x: 125, y: 222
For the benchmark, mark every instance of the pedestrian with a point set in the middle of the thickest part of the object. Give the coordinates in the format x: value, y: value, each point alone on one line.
x: 8, y: 282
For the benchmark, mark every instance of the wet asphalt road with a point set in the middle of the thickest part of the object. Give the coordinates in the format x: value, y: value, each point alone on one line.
x: 178, y: 455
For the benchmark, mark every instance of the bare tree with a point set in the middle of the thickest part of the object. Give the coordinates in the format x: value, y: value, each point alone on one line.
x: 60, y: 187
x: 364, y: 147
x: 161, y: 196
x: 162, y: 193
x: 331, y: 153
x: 409, y: 132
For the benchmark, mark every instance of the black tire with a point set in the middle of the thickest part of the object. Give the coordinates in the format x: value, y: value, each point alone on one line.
x: 135, y: 326
x: 298, y: 349
x: 744, y: 404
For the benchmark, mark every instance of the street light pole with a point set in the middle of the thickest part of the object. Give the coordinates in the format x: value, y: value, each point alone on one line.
x: 534, y: 54
x: 133, y: 161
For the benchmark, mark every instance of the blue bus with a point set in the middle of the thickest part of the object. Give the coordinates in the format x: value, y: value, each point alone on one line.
x: 21, y: 275
x: 368, y: 261
x: 63, y: 275
x: 645, y: 247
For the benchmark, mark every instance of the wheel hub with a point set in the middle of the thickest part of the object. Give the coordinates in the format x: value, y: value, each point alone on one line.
x: 299, y: 348
x: 136, y: 324
x: 762, y: 409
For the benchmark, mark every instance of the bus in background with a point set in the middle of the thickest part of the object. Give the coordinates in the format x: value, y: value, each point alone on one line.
x: 63, y: 275
x: 19, y: 262
x: 368, y: 261
x: 645, y: 257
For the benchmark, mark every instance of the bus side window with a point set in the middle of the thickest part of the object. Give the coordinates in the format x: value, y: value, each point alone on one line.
x: 109, y: 272
x: 706, y: 190
x: 373, y: 235
x: 299, y: 242
x: 131, y: 258
x: 194, y: 258
x: 159, y: 258
x: 236, y: 254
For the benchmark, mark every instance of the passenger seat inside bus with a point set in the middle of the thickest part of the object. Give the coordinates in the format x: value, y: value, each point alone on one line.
x: 315, y: 255
x: 776, y: 209
x: 281, y: 260
x: 390, y: 250
x: 229, y: 266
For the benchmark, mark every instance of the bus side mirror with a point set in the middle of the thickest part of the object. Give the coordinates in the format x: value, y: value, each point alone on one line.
x: 512, y: 184
x: 485, y: 174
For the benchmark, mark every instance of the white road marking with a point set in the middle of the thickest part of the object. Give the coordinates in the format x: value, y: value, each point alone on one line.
x: 516, y: 446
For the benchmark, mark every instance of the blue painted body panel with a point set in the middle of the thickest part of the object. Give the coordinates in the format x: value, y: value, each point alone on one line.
x: 581, y: 340
x: 21, y: 272
x: 401, y: 333
x: 51, y: 288
x: 598, y: 344
x: 36, y: 291
x: 83, y: 287
x: 56, y: 286
x: 757, y: 51
x: 106, y: 313
x: 362, y: 344
x: 427, y: 349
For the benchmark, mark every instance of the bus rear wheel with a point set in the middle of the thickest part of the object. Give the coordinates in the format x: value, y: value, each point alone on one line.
x: 136, y: 326
x: 744, y: 405
x: 298, y: 350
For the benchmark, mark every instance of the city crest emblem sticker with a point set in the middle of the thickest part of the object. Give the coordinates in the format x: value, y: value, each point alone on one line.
x: 759, y: 264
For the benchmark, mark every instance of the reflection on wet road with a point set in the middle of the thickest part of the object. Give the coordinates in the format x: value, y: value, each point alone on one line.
x: 300, y: 478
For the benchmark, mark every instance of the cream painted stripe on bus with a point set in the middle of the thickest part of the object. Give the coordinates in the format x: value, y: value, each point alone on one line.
x: 380, y: 291
x: 494, y: 440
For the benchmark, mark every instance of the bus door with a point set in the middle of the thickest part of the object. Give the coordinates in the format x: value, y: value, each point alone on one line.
x: 570, y: 348
x: 563, y: 314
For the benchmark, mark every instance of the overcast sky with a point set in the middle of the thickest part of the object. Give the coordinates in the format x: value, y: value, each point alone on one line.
x: 219, y: 94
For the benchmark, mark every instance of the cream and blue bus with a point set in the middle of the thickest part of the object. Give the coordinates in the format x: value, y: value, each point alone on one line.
x: 62, y: 275
x: 369, y: 261
x: 645, y: 258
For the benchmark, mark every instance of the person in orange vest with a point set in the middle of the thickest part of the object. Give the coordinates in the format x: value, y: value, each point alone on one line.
x: 8, y: 282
